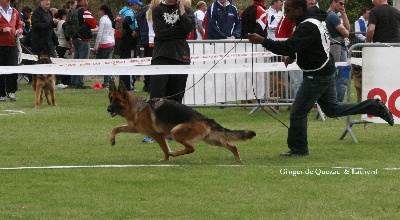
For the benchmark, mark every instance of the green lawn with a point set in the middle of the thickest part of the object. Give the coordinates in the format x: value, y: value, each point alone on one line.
x: 207, y: 184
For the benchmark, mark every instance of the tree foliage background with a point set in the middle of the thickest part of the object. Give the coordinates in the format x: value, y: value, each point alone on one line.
x: 353, y: 7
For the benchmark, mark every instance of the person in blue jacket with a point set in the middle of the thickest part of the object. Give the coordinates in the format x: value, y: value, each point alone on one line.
x: 223, y: 20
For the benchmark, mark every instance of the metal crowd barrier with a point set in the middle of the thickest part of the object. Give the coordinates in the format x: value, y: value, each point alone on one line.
x: 241, y: 89
x: 353, y: 51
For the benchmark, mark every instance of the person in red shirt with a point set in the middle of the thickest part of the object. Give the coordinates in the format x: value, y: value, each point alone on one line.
x: 10, y: 29
x: 254, y: 19
x: 285, y: 28
x: 82, y: 44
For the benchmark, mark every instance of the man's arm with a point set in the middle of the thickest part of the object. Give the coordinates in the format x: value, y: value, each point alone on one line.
x: 342, y: 30
x: 370, y: 33
x: 200, y: 28
x: 87, y: 16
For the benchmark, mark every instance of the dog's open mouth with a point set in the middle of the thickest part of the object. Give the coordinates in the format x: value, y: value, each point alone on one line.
x: 113, y: 114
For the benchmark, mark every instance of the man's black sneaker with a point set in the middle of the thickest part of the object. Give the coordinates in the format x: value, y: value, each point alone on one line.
x: 385, y: 114
x: 294, y: 153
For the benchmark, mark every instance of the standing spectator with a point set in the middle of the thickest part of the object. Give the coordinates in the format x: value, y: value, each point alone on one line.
x: 14, y: 4
x: 199, y: 14
x: 361, y: 25
x: 285, y: 28
x: 254, y: 19
x: 26, y: 14
x: 10, y: 28
x: 44, y: 39
x: 43, y: 25
x: 54, y: 12
x: 144, y: 39
x: 129, y: 40
x: 82, y: 44
x: 310, y: 42
x: 274, y: 14
x: 105, y: 41
x: 223, y: 20
x: 43, y: 35
x: 149, y: 18
x: 383, y: 23
x: 26, y: 19
x: 338, y: 29
x: 64, y: 45
x: 69, y: 4
x: 192, y: 34
x: 172, y: 23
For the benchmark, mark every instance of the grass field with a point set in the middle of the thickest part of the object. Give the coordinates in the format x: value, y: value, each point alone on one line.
x: 207, y: 184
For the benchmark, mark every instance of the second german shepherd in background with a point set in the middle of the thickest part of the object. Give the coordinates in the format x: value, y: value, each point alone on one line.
x: 160, y: 118
x: 44, y: 83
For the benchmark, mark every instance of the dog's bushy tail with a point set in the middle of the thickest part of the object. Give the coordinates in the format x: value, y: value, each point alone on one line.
x: 230, y: 135
x: 238, y: 135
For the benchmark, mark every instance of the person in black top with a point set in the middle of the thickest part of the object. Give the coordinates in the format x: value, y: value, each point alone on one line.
x: 172, y: 23
x: 310, y: 41
x: 383, y: 23
x: 43, y: 24
x: 254, y: 19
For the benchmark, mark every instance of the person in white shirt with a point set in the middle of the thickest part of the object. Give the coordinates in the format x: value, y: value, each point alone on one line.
x: 199, y: 14
x: 63, y: 48
x: 361, y: 25
x: 105, y: 41
x: 274, y: 14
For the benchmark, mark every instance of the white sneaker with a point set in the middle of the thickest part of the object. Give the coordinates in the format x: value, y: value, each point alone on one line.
x: 2, y: 99
x: 11, y: 96
x: 61, y: 86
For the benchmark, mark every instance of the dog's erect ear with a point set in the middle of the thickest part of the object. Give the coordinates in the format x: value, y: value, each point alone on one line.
x: 121, y: 87
x: 111, y: 86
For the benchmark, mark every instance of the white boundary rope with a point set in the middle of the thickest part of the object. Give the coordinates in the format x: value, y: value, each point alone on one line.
x: 141, y: 66
x: 171, y: 165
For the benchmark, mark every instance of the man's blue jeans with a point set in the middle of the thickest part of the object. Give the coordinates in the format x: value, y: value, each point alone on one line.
x: 339, y: 53
x: 320, y: 89
x: 105, y: 53
x: 81, y: 51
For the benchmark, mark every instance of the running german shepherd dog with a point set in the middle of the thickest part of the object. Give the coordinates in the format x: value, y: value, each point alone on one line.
x: 44, y: 83
x: 160, y: 118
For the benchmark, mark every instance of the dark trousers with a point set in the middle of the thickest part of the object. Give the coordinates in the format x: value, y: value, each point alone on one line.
x: 320, y: 89
x: 8, y: 82
x: 64, y: 79
x: 129, y: 81
x: 170, y: 86
x: 148, y: 52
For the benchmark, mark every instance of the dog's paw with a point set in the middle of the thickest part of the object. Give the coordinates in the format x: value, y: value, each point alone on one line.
x: 166, y: 158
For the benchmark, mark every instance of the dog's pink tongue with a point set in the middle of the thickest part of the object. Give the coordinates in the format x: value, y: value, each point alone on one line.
x: 45, y: 75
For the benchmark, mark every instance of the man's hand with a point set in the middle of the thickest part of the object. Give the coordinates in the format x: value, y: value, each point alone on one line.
x: 134, y: 34
x: 181, y: 7
x: 19, y: 32
x: 255, y: 38
x: 288, y: 61
x: 6, y: 29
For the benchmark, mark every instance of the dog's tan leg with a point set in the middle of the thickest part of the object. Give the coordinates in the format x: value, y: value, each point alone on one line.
x: 243, y: 102
x: 38, y: 96
x: 164, y: 146
x: 188, y: 150
x: 118, y: 129
x: 53, y: 97
x: 46, y: 94
x: 235, y: 152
